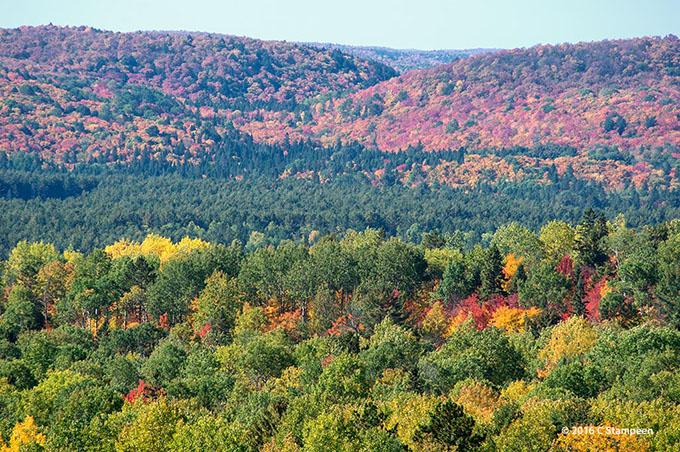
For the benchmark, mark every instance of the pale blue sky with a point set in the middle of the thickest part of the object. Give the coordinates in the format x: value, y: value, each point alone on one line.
x: 422, y: 24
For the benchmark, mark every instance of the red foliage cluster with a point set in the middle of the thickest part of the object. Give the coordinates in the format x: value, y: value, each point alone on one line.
x: 163, y: 322
x: 142, y: 393
x: 482, y: 312
x: 205, y: 329
x: 566, y: 266
x: 289, y: 321
x: 592, y: 299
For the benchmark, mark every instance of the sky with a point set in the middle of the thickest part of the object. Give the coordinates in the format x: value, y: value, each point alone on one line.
x: 416, y: 24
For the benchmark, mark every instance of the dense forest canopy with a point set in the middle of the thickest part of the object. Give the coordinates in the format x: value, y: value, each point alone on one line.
x: 608, y: 110
x: 94, y: 205
x: 210, y: 242
x: 355, y: 342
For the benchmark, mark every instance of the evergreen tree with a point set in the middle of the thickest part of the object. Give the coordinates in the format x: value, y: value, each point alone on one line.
x: 590, y: 232
x: 491, y: 272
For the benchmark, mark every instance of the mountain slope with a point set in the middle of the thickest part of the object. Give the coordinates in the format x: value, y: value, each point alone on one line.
x: 607, y: 111
x: 222, y: 70
x: 79, y: 94
x: 613, y: 93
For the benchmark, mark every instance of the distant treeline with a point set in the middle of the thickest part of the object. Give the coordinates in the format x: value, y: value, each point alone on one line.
x: 84, y: 211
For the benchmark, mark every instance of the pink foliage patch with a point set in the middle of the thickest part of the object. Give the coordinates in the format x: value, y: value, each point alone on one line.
x: 592, y: 300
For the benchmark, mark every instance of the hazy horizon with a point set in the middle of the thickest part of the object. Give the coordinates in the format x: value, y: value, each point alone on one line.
x: 433, y: 25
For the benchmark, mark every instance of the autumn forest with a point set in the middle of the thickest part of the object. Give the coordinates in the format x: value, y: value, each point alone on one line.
x: 211, y: 242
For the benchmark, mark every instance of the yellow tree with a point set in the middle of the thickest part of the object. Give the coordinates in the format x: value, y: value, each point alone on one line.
x: 25, y: 436
x: 513, y: 320
x: 509, y: 270
x: 123, y: 247
x: 570, y: 339
x: 436, y: 323
x: 187, y: 245
x: 160, y: 246
x: 154, y: 245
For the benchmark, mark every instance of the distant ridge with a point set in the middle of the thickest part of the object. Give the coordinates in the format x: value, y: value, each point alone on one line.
x: 609, y: 111
x: 403, y: 60
x: 623, y: 93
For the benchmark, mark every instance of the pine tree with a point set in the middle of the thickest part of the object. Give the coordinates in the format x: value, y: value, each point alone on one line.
x: 491, y: 272
x: 589, y: 234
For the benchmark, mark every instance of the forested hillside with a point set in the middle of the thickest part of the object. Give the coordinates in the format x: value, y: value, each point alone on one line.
x: 605, y: 111
x: 612, y: 107
x: 355, y: 341
x: 583, y: 95
x: 248, y: 192
x: 223, y: 70
x: 78, y: 94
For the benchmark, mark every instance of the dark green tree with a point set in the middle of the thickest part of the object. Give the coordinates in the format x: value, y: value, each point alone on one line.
x: 668, y: 288
x: 590, y: 232
x: 94, y: 289
x: 450, y: 428
x: 490, y: 272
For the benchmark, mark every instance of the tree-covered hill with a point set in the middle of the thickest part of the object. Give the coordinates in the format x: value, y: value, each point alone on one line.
x: 606, y: 112
x: 80, y: 94
x: 221, y: 70
x: 611, y: 93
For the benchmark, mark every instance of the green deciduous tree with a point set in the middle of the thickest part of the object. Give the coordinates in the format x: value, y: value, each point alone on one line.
x: 470, y: 353
x: 557, y: 240
x: 21, y: 313
x: 518, y: 240
x: 546, y: 289
x: 182, y: 279
x: 390, y: 347
x: 218, y: 306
